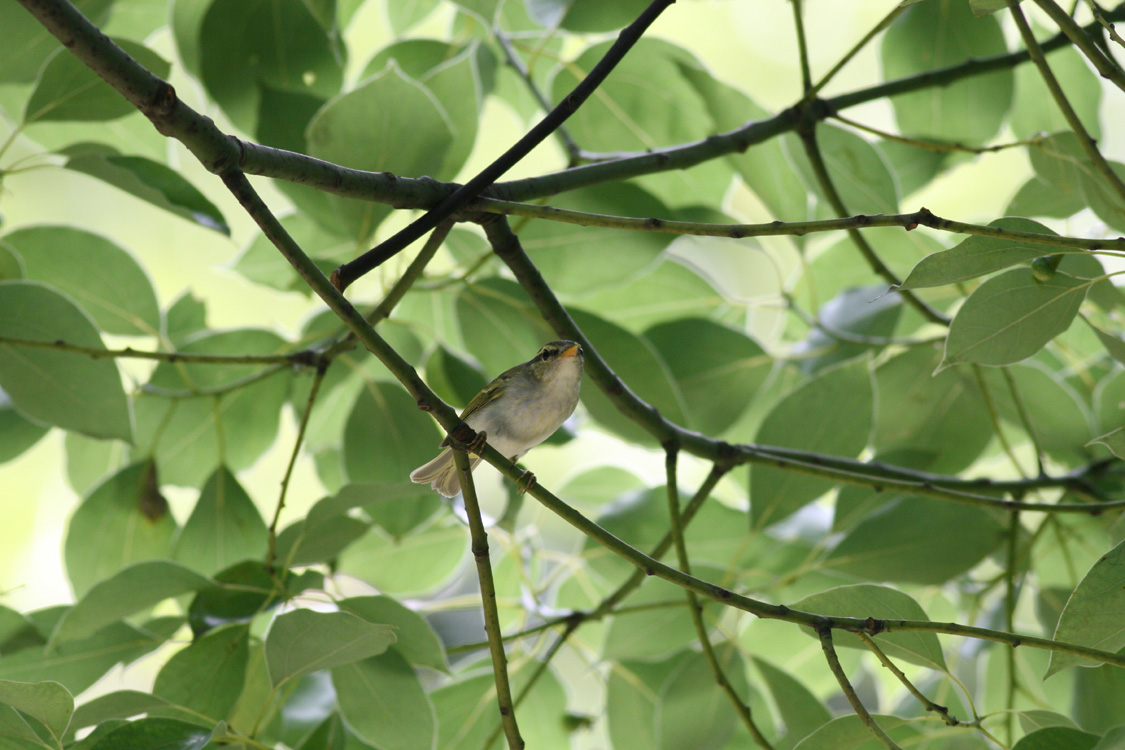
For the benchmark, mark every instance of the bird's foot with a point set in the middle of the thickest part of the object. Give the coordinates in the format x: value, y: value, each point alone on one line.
x: 525, y: 482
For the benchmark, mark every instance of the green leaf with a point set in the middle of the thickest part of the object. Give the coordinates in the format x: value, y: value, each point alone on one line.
x: 122, y: 521
x: 628, y: 113
x: 573, y: 258
x: 49, y: 703
x: 157, y: 734
x: 454, y: 379
x: 404, y: 15
x: 1095, y: 614
x: 1096, y: 704
x: 1056, y: 412
x: 68, y: 89
x: 636, y: 362
x: 363, y: 129
x: 100, y: 276
x: 263, y: 264
x: 937, y: 34
x: 303, y: 641
x: 764, y: 167
x: 1114, y: 440
x: 939, y: 421
x: 387, y: 436
x: 413, y: 564
x: 716, y: 369
x: 60, y: 388
x: 27, y: 43
x: 207, y: 675
x: 1030, y: 117
x: 79, y: 664
x: 978, y: 255
x: 865, y: 311
x: 690, y: 712
x: 17, y: 433
x: 650, y: 634
x: 1057, y: 738
x: 241, y: 593
x: 415, y: 639
x: 224, y: 527
x: 128, y: 591
x: 1012, y: 316
x: 1061, y: 162
x: 830, y: 414
x: 867, y: 600
x: 184, y: 433
x: 120, y: 704
x: 850, y: 733
x: 856, y: 168
x: 630, y: 703
x: 496, y: 319
x: 585, y: 15
x: 291, y: 53
x: 152, y: 182
x: 383, y: 702
x: 800, y: 710
x: 1038, y: 197
x: 917, y: 540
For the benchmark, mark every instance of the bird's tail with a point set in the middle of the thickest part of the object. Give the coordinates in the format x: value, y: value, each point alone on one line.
x: 441, y: 473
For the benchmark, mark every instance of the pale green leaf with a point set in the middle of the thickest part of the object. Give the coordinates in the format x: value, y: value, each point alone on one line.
x: 67, y: 390
x: 207, y: 676
x: 49, y: 703
x: 1095, y: 614
x: 224, y: 527
x: 303, y: 641
x: 128, y: 591
x: 1012, y: 316
x: 881, y: 602
x: 383, y: 702
x: 103, y: 278
x: 1114, y: 440
x: 415, y: 638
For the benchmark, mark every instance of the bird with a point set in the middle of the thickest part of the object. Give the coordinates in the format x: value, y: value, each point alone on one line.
x: 517, y: 411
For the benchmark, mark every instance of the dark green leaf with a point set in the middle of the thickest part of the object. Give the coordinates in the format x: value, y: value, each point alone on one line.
x: 17, y: 433
x: 831, y: 414
x: 363, y: 129
x: 1095, y: 614
x: 27, y: 43
x: 242, y: 592
x: 917, y: 540
x: 498, y: 324
x: 1012, y: 316
x: 387, y: 435
x: 103, y: 278
x: 68, y: 89
x: 939, y: 421
x: 690, y: 712
x: 66, y: 390
x: 130, y: 590
x: 383, y: 702
x: 855, y: 167
x: 452, y: 378
x: 291, y: 53
x: 154, y: 183
x: 224, y: 527
x: 120, y: 704
x: 936, y: 34
x: 867, y: 600
x: 717, y: 370
x: 845, y: 321
x: 303, y: 641
x: 207, y: 675
x: 156, y: 734
x: 1057, y: 738
x: 123, y: 521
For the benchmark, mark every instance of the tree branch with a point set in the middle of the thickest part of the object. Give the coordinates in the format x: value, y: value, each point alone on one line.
x: 349, y: 272
x: 833, y: 660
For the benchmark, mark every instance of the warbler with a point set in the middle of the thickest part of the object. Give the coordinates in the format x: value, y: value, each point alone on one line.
x: 517, y: 411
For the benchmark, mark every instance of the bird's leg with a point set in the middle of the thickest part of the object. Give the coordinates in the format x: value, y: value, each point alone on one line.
x: 476, y: 445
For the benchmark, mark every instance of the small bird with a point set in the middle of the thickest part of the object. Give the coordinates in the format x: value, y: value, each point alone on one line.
x: 516, y: 412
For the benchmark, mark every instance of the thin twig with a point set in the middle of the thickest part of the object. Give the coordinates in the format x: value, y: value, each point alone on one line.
x: 572, y: 148
x: 349, y: 272
x: 1101, y: 166
x: 488, y: 600
x: 855, y: 50
x: 828, y: 187
x: 305, y: 357
x: 671, y: 453
x: 314, y: 391
x: 936, y: 146
x: 833, y: 660
x: 1025, y: 418
x: 928, y: 704
x: 1106, y: 66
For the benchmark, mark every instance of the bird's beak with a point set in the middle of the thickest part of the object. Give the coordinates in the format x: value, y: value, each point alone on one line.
x: 572, y: 351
